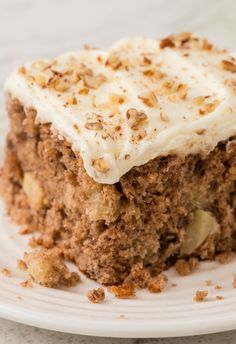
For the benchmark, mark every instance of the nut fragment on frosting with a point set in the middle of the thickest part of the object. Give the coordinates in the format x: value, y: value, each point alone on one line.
x: 135, y: 118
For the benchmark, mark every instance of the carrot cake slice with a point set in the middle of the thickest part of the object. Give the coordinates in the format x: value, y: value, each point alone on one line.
x: 125, y: 159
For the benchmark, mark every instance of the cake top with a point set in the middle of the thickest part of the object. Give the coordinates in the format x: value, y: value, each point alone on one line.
x: 141, y: 99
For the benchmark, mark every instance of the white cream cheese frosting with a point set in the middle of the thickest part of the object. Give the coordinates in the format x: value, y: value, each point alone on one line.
x: 140, y: 99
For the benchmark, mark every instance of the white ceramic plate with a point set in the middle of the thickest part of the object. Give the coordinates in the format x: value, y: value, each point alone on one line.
x: 171, y: 313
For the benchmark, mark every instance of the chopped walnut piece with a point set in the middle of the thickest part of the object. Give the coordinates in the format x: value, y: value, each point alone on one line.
x: 47, y: 268
x: 135, y: 118
x: 200, y: 295
x: 84, y: 91
x: 96, y: 295
x: 40, y: 80
x: 26, y: 284
x: 164, y: 117
x: 101, y: 165
x: 228, y: 66
x: 117, y: 98
x: 76, y: 127
x: 157, y: 284
x: 72, y: 101
x: 166, y: 43
x: 186, y: 267
x: 93, y: 82
x: 21, y: 265
x: 22, y: 70
x: 114, y: 62
x: 123, y: 291
x: 209, y: 107
x: 199, y: 100
x: 6, y: 272
x: 200, y: 131
x: 94, y: 126
x: 149, y: 99
x: 234, y: 281
x: 153, y: 73
x: 225, y: 257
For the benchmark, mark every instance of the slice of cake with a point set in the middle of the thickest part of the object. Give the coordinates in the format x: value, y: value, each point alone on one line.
x: 125, y: 160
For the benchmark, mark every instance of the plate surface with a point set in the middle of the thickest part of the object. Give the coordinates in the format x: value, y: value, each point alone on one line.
x: 168, y: 314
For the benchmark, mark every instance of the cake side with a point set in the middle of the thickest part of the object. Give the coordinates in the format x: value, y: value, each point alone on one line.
x: 135, y: 227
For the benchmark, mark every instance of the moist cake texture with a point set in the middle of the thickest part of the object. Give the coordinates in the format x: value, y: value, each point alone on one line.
x: 125, y: 160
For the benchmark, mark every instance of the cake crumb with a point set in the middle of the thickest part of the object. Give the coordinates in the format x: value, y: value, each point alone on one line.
x: 157, y: 284
x: 21, y: 265
x: 122, y: 316
x: 96, y: 295
x: 218, y: 286
x: 125, y: 291
x: 19, y: 297
x: 47, y: 268
x: 174, y: 285
x: 225, y: 257
x: 26, y: 284
x: 6, y: 272
x: 186, y: 267
x: 208, y: 283
x: 200, y: 295
x: 219, y: 297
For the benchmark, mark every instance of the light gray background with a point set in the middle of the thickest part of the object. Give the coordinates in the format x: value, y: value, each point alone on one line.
x: 30, y: 29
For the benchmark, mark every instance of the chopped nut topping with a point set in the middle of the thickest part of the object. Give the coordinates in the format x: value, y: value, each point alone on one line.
x: 123, y: 291
x: 94, y: 126
x: 169, y: 88
x: 166, y: 43
x: 84, y: 91
x: 6, y: 272
x: 199, y: 100
x: 200, y: 295
x: 93, y: 82
x: 114, y: 62
x: 26, y: 284
x: 157, y: 284
x: 117, y: 98
x: 146, y: 60
x: 153, y: 73
x: 135, y: 118
x: 21, y: 265
x: 96, y: 295
x: 164, y: 117
x: 149, y: 99
x: 22, y: 70
x: 40, y: 80
x: 72, y: 101
x: 228, y: 65
x: 184, y: 267
x: 208, y: 108
x: 101, y: 165
x: 200, y: 131
x: 76, y: 127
